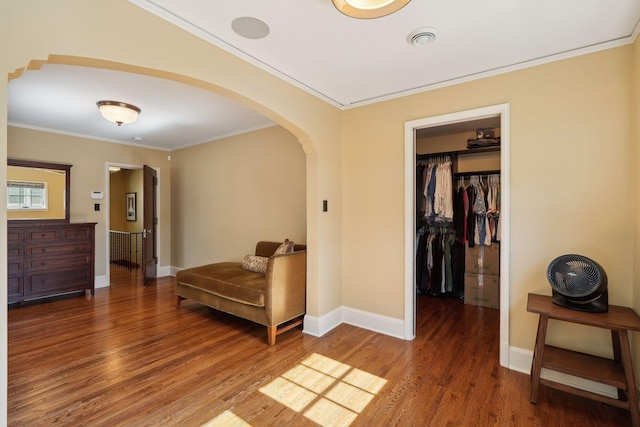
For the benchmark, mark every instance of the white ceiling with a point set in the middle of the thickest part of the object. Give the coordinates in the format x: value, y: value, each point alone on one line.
x: 345, y: 61
x: 63, y: 98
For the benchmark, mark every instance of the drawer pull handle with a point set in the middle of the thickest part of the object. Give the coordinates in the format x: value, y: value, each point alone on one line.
x: 43, y: 281
x: 43, y: 263
x: 77, y: 247
x: 76, y: 259
x: 76, y: 276
x: 44, y: 235
x: 77, y: 233
x: 44, y: 250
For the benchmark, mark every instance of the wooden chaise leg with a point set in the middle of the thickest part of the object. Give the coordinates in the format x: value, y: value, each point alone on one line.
x: 273, y: 331
x: 178, y: 299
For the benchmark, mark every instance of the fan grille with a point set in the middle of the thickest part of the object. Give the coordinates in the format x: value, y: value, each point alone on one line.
x: 574, y: 275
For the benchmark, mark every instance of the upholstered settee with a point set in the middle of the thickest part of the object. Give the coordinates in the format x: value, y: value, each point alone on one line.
x: 275, y: 298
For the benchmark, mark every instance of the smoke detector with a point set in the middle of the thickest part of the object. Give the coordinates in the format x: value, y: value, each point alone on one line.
x: 422, y: 36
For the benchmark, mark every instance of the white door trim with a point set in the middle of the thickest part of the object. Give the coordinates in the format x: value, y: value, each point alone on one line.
x: 501, y: 110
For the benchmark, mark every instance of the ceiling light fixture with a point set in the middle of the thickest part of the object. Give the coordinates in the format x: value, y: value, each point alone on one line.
x: 367, y: 9
x: 422, y: 36
x: 117, y: 112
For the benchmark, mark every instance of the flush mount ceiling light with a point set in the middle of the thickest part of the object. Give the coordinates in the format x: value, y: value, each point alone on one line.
x: 368, y: 9
x: 119, y: 113
x: 422, y: 36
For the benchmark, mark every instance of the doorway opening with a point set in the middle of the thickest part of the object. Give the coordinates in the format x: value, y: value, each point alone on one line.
x: 131, y: 243
x: 125, y: 225
x: 498, y: 112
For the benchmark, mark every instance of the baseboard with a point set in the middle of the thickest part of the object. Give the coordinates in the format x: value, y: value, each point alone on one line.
x: 521, y: 360
x: 164, y: 271
x: 319, y: 326
x: 362, y: 319
x: 373, y: 322
x: 101, y: 282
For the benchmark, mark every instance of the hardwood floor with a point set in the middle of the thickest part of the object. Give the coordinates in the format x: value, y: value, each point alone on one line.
x: 128, y: 356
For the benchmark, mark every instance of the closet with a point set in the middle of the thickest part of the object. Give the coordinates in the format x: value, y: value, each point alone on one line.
x: 458, y: 211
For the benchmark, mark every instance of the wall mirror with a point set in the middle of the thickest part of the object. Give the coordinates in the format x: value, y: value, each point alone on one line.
x: 37, y: 191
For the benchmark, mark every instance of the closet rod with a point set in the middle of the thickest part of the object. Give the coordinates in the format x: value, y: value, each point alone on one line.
x: 479, y: 173
x: 433, y: 155
x: 458, y: 152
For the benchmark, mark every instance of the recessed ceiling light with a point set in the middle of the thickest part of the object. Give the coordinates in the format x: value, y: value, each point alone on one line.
x: 250, y: 28
x: 368, y: 9
x: 422, y: 36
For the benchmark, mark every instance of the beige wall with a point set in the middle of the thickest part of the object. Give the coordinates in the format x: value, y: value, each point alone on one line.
x: 117, y: 202
x: 230, y: 193
x: 89, y: 158
x: 571, y: 182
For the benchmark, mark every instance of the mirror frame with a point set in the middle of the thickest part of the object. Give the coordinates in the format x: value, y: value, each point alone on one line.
x: 46, y: 165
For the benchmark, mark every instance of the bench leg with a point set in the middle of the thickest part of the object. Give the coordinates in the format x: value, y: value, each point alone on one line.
x: 536, y: 366
x: 272, y: 331
x: 627, y: 364
x: 178, y: 299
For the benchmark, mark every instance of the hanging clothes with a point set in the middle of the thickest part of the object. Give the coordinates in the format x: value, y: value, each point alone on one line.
x: 449, y: 218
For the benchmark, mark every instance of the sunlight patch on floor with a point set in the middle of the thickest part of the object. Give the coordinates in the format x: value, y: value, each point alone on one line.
x: 329, y: 392
x: 289, y: 394
x: 227, y: 419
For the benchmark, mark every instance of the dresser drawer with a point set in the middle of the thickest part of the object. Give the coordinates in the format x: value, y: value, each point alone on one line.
x: 70, y: 261
x: 43, y: 234
x: 15, y: 287
x: 48, y: 283
x: 76, y: 233
x: 71, y: 248
x: 15, y: 252
x: 15, y: 265
x: 15, y: 237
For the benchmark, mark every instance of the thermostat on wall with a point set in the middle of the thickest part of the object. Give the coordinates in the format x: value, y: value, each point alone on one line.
x: 97, y: 195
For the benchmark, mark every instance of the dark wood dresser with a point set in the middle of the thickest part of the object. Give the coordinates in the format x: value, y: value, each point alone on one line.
x: 45, y: 260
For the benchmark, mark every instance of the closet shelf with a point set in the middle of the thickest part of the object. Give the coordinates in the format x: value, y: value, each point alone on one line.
x: 459, y: 152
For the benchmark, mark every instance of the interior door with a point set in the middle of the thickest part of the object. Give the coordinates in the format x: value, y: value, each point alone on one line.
x: 149, y: 225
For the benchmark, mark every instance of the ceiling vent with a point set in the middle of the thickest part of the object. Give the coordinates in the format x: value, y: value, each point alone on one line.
x: 422, y: 36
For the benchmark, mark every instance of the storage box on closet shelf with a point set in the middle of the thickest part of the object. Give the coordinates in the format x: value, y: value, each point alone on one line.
x: 484, y: 138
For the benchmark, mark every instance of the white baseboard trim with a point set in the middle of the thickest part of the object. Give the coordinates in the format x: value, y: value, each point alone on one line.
x: 173, y: 270
x: 319, y: 326
x: 374, y: 322
x: 164, y: 271
x: 101, y: 282
x: 521, y: 360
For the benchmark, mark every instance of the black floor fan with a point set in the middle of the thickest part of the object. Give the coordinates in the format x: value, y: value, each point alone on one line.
x: 578, y: 283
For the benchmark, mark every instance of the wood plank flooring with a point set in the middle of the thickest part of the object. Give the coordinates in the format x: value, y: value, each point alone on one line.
x: 128, y: 356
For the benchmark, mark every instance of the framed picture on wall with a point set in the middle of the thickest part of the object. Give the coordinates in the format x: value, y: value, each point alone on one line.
x: 131, y: 206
